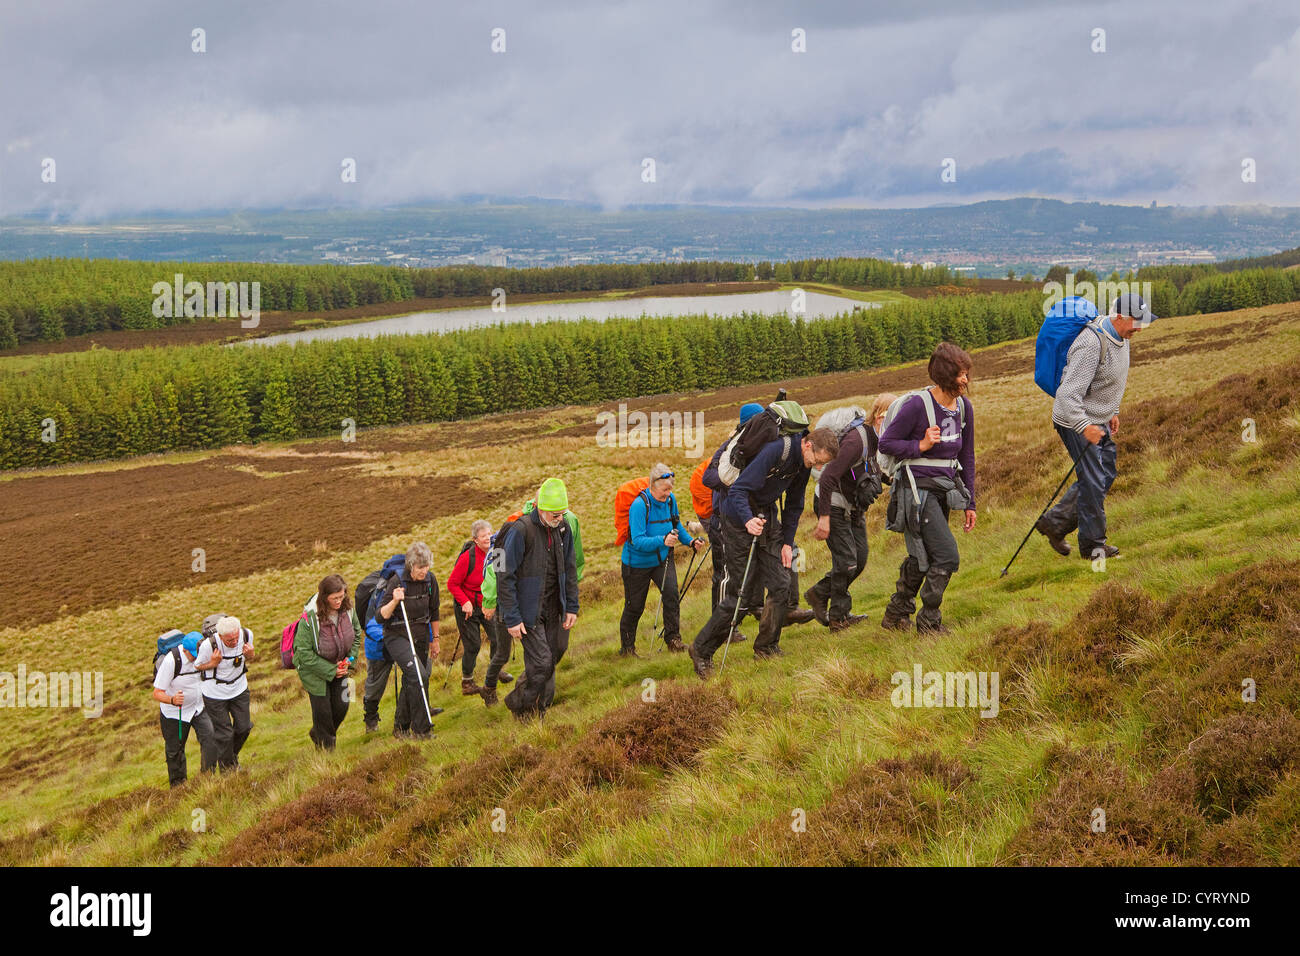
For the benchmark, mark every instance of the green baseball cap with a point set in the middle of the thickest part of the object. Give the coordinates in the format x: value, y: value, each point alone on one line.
x: 552, y: 496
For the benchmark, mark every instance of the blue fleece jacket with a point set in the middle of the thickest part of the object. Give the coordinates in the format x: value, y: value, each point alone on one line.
x: 648, y: 521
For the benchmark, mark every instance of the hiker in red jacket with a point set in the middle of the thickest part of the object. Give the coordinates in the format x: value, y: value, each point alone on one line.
x: 466, y: 587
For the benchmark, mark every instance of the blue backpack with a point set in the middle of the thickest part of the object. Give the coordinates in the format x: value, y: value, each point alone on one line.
x: 1060, y: 328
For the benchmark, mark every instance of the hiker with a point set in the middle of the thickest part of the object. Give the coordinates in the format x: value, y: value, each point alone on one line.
x: 930, y: 435
x: 408, y: 611
x: 750, y: 526
x: 502, y: 654
x: 845, y: 489
x: 325, y: 648
x: 466, y: 586
x: 878, y: 409
x: 1086, y: 415
x: 653, y: 532
x: 713, y: 524
x: 223, y: 670
x: 180, y: 707
x: 537, y: 594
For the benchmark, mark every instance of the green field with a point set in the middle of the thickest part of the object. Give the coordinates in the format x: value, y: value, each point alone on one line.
x: 1120, y: 688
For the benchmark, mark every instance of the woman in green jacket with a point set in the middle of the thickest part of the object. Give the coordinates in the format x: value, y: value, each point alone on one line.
x: 325, y: 645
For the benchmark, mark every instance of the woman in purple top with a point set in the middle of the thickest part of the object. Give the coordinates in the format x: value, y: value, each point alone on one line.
x: 948, y: 483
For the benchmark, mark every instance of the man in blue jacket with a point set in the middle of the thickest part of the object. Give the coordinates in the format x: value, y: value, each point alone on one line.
x: 537, y: 595
x: 653, y: 531
x: 749, y: 517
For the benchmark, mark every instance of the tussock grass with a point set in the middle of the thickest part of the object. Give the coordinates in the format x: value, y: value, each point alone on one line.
x: 1121, y: 689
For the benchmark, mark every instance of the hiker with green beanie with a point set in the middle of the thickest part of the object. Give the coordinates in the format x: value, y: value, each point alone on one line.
x: 537, y: 595
x: 502, y: 650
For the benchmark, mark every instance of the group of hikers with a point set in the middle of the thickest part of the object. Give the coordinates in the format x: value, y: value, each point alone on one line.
x: 520, y: 582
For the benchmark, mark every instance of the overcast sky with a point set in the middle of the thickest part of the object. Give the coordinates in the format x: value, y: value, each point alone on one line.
x: 585, y: 91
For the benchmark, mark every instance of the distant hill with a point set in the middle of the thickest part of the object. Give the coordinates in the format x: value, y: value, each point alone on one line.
x: 1026, y: 234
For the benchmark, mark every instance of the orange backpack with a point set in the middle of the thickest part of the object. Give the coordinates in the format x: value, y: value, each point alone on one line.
x: 701, y: 494
x: 623, y: 499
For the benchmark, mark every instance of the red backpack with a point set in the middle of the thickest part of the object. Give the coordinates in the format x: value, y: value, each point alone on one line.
x: 286, y: 642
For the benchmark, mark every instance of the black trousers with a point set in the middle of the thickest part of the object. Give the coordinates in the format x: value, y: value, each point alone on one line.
x: 848, y: 546
x: 175, y: 735
x: 636, y: 586
x: 766, y: 572
x: 231, y: 725
x: 943, y: 559
x: 472, y: 629
x: 544, y: 646
x: 327, y: 713
x: 412, y: 699
x: 501, y: 645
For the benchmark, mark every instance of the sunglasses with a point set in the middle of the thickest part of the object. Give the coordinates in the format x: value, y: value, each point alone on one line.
x: 668, y: 474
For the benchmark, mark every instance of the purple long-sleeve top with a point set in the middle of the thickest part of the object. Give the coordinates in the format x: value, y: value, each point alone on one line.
x: 902, y: 439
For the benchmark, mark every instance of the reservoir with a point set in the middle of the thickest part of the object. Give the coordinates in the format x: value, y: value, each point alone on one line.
x: 817, y: 305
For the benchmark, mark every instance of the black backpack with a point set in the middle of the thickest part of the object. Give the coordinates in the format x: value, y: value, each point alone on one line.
x: 473, y: 556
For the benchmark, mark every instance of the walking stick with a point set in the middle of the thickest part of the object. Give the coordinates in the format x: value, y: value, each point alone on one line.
x: 1039, y: 518
x: 415, y: 661
x: 739, y: 597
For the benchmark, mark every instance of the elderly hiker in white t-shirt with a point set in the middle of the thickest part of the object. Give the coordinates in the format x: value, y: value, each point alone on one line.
x: 180, y: 704
x: 223, y: 668
x: 1086, y: 416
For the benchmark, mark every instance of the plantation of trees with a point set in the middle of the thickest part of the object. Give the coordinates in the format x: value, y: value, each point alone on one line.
x: 108, y: 404
x: 50, y: 299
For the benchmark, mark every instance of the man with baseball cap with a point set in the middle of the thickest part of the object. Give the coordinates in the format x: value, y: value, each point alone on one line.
x: 1086, y: 416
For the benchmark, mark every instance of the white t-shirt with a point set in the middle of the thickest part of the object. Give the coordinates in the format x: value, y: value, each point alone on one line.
x: 232, y: 662
x: 187, y: 683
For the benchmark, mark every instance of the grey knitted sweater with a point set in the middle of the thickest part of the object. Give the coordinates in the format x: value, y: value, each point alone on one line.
x: 1092, y: 384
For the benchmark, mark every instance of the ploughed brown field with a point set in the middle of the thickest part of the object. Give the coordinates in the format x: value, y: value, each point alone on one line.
x: 126, y: 531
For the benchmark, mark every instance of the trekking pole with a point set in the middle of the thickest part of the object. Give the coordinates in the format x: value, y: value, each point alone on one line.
x: 415, y: 660
x: 663, y: 576
x: 1039, y: 518
x: 686, y: 584
x: 452, y: 665
x: 740, y: 596
x: 690, y: 578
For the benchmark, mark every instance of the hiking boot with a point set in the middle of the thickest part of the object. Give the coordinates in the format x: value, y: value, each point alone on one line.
x: 895, y: 622
x: 798, y: 615
x: 768, y: 653
x: 1109, y: 549
x: 628, y: 652
x: 468, y: 688
x: 426, y: 735
x: 489, y: 695
x: 737, y: 637
x: 841, y: 624
x: 675, y: 645
x: 401, y: 734
x: 818, y: 606
x: 372, y: 724
x: 702, y: 667
x: 505, y: 677
x: 857, y: 618
x: 924, y: 628
x: 435, y: 711
x: 1059, y: 545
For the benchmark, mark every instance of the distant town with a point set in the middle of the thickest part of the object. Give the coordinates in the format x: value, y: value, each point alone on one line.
x: 989, y: 239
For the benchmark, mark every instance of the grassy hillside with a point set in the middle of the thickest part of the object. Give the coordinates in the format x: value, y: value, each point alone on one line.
x: 1120, y: 689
